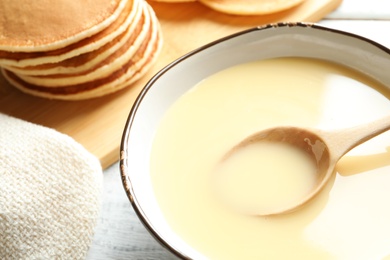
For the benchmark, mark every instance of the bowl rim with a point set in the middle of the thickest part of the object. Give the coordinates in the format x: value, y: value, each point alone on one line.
x: 127, y: 183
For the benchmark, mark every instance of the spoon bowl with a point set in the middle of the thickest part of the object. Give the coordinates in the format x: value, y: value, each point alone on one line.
x: 325, y: 148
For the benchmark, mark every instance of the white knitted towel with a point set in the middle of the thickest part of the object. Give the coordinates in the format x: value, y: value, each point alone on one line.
x: 50, y: 189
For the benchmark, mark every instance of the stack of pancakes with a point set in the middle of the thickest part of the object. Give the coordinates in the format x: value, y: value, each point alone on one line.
x: 74, y: 50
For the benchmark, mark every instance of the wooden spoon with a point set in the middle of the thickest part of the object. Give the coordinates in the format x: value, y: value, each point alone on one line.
x: 325, y: 147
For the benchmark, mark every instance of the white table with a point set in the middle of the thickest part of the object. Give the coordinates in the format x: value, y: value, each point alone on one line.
x: 120, y: 234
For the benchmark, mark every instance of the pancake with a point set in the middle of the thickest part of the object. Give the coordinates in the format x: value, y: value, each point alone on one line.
x: 174, y: 1
x: 83, y: 62
x: 93, y: 42
x: 112, y: 63
x: 139, y: 68
x: 135, y: 68
x: 31, y: 26
x: 250, y: 7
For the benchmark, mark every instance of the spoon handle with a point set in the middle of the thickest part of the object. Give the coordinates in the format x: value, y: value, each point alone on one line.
x: 342, y: 141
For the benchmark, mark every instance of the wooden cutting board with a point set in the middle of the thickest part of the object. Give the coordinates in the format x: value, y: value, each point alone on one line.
x: 98, y: 123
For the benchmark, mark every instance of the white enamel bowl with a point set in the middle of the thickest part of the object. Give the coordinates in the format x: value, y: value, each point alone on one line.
x: 271, y: 41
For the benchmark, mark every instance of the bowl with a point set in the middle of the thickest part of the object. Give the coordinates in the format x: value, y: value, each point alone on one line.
x: 264, y: 42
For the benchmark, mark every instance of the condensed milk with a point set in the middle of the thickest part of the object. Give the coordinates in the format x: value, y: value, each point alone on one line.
x: 347, y: 220
x: 265, y: 176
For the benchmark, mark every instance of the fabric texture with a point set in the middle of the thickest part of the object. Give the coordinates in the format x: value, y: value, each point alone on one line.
x: 50, y: 193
